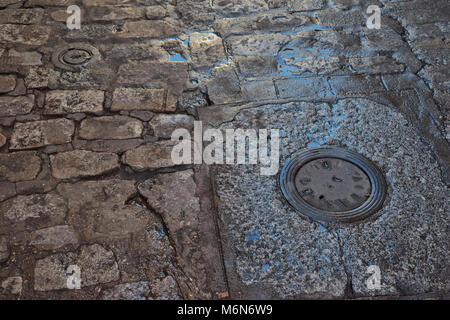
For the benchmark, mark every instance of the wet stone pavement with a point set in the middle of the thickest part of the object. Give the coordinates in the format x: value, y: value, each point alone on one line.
x: 87, y: 180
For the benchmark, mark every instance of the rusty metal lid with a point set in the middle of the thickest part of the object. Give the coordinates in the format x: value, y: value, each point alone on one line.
x: 333, y: 185
x: 75, y: 57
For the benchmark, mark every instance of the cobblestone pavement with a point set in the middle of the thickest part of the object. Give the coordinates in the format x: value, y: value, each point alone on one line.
x: 86, y: 177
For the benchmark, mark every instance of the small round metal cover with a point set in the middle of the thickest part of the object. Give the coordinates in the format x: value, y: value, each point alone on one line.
x: 75, y: 57
x: 333, y: 185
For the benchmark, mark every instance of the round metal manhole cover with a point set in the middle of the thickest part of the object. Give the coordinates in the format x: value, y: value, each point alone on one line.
x: 333, y: 185
x: 75, y: 57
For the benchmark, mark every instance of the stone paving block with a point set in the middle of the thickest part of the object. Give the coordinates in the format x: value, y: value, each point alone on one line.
x: 180, y: 214
x: 172, y: 76
x: 114, y: 217
x: 257, y: 45
x: 127, y: 291
x: 139, y: 99
x: 21, y: 34
x: 376, y: 65
x: 110, y: 127
x: 12, y: 285
x: 54, y: 238
x: 114, y: 146
x: 253, y: 66
x: 82, y: 163
x: 19, y: 166
x: 234, y: 7
x: 163, y: 124
x: 4, y: 250
x: 151, y: 156
x: 97, y: 265
x: 276, y: 21
x: 7, y: 190
x: 13, y: 106
x: 21, y: 16
x: 335, y: 18
x: 223, y: 87
x: 148, y: 29
x: 7, y: 83
x: 206, y: 49
x: 303, y: 87
x: 33, y: 212
x: 35, y: 134
x: 68, y: 101
x: 112, y: 13
x: 24, y: 58
x: 306, y: 5
x: 260, y: 90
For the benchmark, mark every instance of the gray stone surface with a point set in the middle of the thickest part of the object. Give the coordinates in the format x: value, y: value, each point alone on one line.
x: 41, y: 133
x: 82, y: 163
x: 54, y: 238
x: 115, y: 127
x: 274, y: 247
x: 99, y: 188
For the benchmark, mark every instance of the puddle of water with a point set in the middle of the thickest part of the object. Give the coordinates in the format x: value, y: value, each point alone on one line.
x: 177, y: 57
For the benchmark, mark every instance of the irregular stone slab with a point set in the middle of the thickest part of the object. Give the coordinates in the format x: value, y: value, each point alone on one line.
x: 32, y: 35
x: 102, y: 210
x: 181, y: 216
x: 165, y: 289
x: 68, y: 101
x: 13, y: 106
x: 12, y: 285
x: 172, y: 76
x: 19, y: 166
x: 206, y: 49
x: 110, y: 127
x: 234, y: 7
x: 7, y: 83
x: 51, y: 273
x: 276, y: 21
x: 54, y: 238
x: 306, y: 5
x: 148, y: 29
x: 4, y: 250
x: 163, y: 125
x: 27, y: 58
x: 257, y: 44
x: 128, y: 291
x: 21, y: 16
x: 271, y: 248
x: 97, y: 265
x: 114, y: 146
x: 7, y: 190
x: 2, y: 140
x: 376, y: 65
x: 41, y: 133
x: 224, y: 86
x: 256, y: 65
x: 139, y: 99
x: 33, y: 212
x: 112, y: 13
x: 81, y: 163
x: 152, y: 156
x: 40, y: 77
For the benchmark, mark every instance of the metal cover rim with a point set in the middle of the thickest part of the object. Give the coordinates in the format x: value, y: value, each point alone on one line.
x: 59, y: 53
x: 359, y: 214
